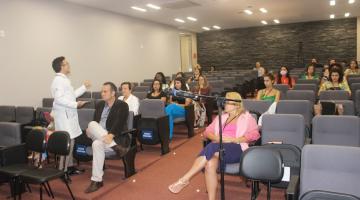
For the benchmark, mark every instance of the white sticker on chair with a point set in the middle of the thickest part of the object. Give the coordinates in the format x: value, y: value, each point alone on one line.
x: 286, y: 176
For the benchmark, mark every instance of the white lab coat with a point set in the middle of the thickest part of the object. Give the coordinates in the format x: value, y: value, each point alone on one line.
x: 65, y: 105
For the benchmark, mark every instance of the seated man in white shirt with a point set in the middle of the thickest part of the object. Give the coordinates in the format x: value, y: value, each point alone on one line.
x: 131, y: 100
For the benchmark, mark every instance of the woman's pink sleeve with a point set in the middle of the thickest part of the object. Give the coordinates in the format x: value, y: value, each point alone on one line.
x: 252, y: 134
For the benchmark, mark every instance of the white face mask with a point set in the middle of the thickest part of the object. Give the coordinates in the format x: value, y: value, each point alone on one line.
x: 283, y: 72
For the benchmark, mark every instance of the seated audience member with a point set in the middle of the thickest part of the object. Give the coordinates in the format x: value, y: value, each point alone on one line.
x: 309, y: 73
x: 269, y: 93
x: 156, y: 91
x: 353, y: 69
x: 202, y: 88
x: 110, y: 119
x: 283, y: 77
x: 259, y: 69
x: 130, y: 99
x: 178, y: 75
x: 239, y: 129
x: 336, y: 81
x: 332, y: 61
x: 325, y: 75
x: 198, y: 66
x: 195, y: 76
x: 161, y: 77
x: 212, y: 69
x: 260, y: 79
x: 315, y: 63
x: 176, y: 107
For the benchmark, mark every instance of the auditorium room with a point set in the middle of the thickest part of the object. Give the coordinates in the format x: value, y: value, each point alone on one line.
x: 180, y: 99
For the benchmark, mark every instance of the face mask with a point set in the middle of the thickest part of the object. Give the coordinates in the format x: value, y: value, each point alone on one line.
x: 283, y: 72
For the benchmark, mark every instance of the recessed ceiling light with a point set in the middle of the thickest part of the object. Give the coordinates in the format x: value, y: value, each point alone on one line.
x: 351, y: 1
x: 206, y: 28
x: 332, y: 2
x: 153, y: 6
x: 179, y: 20
x: 332, y: 16
x: 276, y: 21
x: 192, y: 19
x: 249, y: 12
x: 263, y: 10
x: 347, y: 14
x: 264, y: 22
x: 216, y: 27
x: 138, y: 8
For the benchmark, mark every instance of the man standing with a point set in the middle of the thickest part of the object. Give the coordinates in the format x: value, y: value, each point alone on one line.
x: 65, y: 105
x: 110, y: 120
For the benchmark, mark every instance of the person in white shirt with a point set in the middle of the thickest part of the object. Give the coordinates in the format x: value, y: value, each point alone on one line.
x: 130, y: 99
x: 65, y: 105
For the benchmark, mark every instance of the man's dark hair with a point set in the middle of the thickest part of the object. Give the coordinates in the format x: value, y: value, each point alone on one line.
x: 57, y: 62
x: 112, y: 86
x: 125, y: 83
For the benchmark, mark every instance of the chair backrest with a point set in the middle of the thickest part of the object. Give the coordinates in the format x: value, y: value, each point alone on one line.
x: 263, y: 164
x: 283, y: 89
x: 140, y: 95
x: 10, y: 133
x: 357, y: 102
x: 330, y: 168
x: 301, y: 95
x: 35, y: 140
x: 86, y: 94
x: 312, y: 81
x: 59, y: 143
x: 352, y: 80
x: 336, y: 130
x: 303, y: 107
x: 130, y: 120
x: 24, y: 114
x: 152, y: 108
x: 334, y: 95
x: 96, y: 95
x: 141, y: 89
x: 47, y: 102
x: 354, y: 87
x: 325, y: 195
x: 312, y: 87
x: 7, y: 114
x: 90, y: 105
x: 85, y: 117
x: 255, y: 105
x: 284, y: 128
x: 147, y: 84
x: 348, y: 105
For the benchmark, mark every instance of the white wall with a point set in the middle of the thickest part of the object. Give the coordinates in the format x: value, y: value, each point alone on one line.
x: 100, y: 46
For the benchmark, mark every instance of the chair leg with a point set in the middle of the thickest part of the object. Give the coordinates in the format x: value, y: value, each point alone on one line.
x: 46, y: 189
x: 50, y: 190
x: 28, y: 187
x: 41, y: 197
x: 268, y: 191
x: 129, y: 162
x: 12, y: 184
x: 67, y: 185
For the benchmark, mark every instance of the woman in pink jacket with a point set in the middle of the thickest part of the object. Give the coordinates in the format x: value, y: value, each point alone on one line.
x: 239, y: 129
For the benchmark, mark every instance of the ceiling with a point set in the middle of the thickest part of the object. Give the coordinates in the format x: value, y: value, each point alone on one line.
x: 226, y: 13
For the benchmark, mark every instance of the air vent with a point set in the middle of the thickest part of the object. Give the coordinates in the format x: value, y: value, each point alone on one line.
x: 180, y: 4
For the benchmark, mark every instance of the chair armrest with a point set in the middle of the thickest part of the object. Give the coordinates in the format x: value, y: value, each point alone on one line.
x: 292, y: 191
x: 16, y: 154
x: 131, y: 131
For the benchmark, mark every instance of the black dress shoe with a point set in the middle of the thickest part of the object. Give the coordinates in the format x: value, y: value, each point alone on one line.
x: 119, y: 150
x: 94, y: 186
